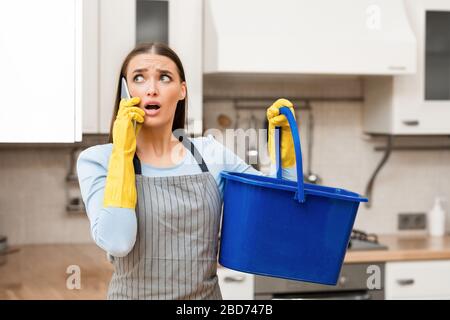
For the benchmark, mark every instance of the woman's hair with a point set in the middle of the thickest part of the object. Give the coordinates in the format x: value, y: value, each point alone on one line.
x: 163, y: 50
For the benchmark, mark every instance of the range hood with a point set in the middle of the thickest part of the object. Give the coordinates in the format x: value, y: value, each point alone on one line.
x: 358, y: 37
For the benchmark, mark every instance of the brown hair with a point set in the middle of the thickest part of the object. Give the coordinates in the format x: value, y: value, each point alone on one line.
x: 164, y: 50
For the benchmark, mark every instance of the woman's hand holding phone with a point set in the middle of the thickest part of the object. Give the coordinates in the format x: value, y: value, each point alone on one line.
x: 120, y: 189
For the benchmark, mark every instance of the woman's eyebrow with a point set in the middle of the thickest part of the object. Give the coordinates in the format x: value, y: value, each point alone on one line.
x: 145, y: 70
x: 163, y: 71
x: 140, y: 70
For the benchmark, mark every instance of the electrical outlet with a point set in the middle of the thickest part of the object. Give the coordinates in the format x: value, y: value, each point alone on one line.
x: 412, y: 221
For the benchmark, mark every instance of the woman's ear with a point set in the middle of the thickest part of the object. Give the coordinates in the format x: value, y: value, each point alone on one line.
x: 183, y: 91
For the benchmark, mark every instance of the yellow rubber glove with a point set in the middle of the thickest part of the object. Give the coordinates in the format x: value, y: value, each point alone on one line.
x: 120, y: 189
x: 276, y: 119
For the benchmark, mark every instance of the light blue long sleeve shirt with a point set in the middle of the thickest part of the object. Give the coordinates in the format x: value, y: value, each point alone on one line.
x: 114, y: 229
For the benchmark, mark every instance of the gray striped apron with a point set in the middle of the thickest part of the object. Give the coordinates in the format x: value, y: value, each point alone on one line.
x: 175, y: 254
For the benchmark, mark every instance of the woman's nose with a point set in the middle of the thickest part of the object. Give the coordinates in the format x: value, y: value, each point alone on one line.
x: 152, y: 88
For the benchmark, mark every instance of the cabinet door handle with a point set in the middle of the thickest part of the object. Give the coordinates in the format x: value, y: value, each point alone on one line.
x: 411, y: 122
x: 405, y: 282
x: 234, y: 279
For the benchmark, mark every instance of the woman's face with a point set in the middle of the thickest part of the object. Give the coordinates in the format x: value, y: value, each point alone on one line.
x: 154, y: 78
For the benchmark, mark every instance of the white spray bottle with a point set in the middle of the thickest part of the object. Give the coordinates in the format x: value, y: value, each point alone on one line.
x: 436, y: 219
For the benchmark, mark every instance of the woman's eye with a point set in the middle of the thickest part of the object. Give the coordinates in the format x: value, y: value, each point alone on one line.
x: 165, y: 78
x: 138, y: 76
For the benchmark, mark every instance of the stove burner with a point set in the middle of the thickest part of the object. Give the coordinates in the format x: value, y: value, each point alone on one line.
x: 361, y: 235
x: 360, y: 240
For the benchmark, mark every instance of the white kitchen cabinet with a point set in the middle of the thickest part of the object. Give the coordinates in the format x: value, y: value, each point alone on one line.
x: 236, y: 285
x: 40, y: 86
x: 117, y: 36
x: 90, y: 78
x: 420, y: 103
x: 417, y: 280
x: 308, y: 37
x: 114, y: 34
x: 186, y: 38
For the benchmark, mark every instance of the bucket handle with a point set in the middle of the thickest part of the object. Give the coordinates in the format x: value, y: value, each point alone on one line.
x: 300, y: 194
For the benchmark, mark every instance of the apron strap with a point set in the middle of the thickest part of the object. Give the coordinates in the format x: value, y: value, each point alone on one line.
x: 137, y: 164
x: 188, y: 144
x: 197, y: 156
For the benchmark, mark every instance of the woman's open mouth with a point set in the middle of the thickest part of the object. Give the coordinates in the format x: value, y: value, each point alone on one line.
x: 152, y: 109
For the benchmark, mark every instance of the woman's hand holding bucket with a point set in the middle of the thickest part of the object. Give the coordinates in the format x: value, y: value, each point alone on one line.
x: 276, y: 119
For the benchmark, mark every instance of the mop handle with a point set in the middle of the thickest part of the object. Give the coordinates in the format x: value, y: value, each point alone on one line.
x: 300, y: 194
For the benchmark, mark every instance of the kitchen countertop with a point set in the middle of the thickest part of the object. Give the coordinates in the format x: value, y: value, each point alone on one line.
x: 404, y: 248
x: 40, y: 271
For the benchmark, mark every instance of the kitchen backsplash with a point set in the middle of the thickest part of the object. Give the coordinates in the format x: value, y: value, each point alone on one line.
x: 33, y: 188
x: 33, y: 197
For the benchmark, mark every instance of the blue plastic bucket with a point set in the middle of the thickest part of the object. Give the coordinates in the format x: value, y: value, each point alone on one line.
x: 286, y: 229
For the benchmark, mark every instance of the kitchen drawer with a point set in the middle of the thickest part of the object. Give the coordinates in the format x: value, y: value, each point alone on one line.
x: 235, y: 285
x: 418, y: 280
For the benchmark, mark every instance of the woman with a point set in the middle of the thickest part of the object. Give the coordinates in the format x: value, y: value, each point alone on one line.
x: 153, y: 200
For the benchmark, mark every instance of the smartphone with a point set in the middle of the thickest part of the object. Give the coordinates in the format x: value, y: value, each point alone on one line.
x: 125, y: 94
